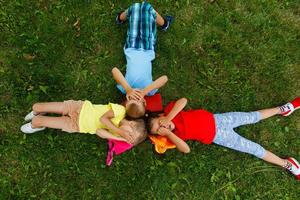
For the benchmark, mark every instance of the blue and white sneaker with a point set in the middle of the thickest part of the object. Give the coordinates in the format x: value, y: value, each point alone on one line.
x: 169, y: 19
x: 118, y: 21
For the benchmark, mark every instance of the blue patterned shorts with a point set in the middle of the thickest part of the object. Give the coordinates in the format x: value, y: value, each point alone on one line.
x: 227, y: 137
x: 141, y: 33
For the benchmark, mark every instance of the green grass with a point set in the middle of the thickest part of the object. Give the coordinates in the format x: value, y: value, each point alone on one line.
x: 223, y: 56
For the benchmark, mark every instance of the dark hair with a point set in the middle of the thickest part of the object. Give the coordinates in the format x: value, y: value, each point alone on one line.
x: 148, y: 119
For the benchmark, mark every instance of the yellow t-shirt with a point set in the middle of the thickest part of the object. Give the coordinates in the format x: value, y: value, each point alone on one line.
x: 89, y: 117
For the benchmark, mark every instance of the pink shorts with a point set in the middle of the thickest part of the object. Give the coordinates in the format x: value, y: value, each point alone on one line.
x: 71, y: 111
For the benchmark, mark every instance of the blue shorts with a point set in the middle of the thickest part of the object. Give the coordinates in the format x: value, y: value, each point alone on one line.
x: 227, y: 137
x: 141, y: 33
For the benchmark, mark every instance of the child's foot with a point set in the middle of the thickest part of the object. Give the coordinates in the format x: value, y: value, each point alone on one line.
x: 31, y: 115
x: 293, y: 166
x: 290, y: 107
x: 27, y: 128
x: 168, y: 21
x: 118, y: 20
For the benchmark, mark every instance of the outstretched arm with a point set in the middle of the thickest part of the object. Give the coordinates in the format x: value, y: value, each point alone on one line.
x: 120, y: 79
x: 180, y: 144
x: 158, y: 83
x: 107, y: 135
x: 106, y: 120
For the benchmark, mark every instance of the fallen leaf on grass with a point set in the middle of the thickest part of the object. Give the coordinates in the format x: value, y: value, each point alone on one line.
x: 28, y: 57
x: 77, y: 27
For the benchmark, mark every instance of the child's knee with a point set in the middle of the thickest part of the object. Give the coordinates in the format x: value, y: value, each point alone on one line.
x: 35, y: 107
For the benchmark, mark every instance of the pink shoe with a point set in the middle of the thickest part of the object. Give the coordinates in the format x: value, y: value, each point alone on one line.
x: 293, y: 166
x: 290, y: 107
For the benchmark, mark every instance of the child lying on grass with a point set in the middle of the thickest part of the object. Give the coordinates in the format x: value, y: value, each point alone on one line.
x: 106, y: 121
x: 135, y: 103
x: 207, y: 128
x: 139, y: 51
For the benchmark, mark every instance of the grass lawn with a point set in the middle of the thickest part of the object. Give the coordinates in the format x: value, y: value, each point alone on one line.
x: 223, y: 55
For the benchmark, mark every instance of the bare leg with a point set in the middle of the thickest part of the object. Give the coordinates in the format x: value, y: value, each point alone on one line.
x: 48, y: 107
x: 266, y: 113
x: 159, y: 19
x: 272, y: 158
x: 50, y: 122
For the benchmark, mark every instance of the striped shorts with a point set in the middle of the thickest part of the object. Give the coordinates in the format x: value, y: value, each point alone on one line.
x: 141, y: 33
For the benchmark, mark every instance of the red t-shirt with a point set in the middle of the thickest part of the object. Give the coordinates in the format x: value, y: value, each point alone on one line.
x: 193, y: 124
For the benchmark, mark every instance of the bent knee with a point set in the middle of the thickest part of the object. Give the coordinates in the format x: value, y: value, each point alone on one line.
x: 36, y: 107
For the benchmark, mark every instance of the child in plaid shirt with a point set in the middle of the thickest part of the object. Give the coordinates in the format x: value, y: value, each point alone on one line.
x: 139, y: 49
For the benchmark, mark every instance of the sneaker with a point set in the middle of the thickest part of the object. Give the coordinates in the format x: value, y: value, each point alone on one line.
x: 118, y: 21
x: 293, y: 167
x: 27, y: 128
x: 290, y: 107
x: 169, y: 19
x: 31, y: 115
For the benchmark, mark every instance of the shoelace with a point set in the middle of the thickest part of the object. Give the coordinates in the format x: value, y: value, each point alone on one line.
x: 288, y: 166
x: 285, y: 108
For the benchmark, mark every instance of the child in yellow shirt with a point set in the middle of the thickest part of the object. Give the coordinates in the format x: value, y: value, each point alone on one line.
x: 107, y: 121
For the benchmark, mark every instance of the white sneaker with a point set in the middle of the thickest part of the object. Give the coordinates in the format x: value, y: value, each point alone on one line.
x: 290, y: 107
x: 27, y: 128
x: 31, y: 115
x: 294, y: 167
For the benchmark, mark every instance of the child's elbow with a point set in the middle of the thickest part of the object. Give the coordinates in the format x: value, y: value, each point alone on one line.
x: 165, y: 78
x: 185, y: 149
x: 183, y: 100
x: 102, y: 119
x: 188, y: 150
x: 114, y: 70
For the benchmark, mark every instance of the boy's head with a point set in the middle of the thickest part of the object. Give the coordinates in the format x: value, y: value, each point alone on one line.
x: 135, y: 109
x: 137, y: 127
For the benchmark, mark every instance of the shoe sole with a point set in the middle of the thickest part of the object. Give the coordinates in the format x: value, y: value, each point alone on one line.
x: 285, y: 115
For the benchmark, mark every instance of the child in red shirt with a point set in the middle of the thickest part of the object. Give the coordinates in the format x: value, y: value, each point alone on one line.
x: 207, y: 128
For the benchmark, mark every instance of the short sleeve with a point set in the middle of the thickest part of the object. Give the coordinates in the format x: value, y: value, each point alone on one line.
x: 152, y: 92
x: 119, y: 113
x: 121, y: 89
x: 169, y: 107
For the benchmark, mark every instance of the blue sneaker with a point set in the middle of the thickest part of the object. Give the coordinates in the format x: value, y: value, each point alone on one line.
x: 169, y: 19
x: 118, y: 21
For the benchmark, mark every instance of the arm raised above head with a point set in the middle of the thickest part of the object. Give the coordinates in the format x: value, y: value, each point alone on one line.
x: 106, y: 120
x: 120, y: 79
x: 130, y: 92
x: 180, y: 144
x: 158, y: 83
x: 179, y: 105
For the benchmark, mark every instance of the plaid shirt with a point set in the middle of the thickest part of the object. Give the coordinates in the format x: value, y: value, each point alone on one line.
x: 141, y: 32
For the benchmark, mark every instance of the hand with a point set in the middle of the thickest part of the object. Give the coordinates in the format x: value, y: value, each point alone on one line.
x: 164, y: 122
x: 163, y: 131
x: 134, y: 94
x: 129, y: 136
